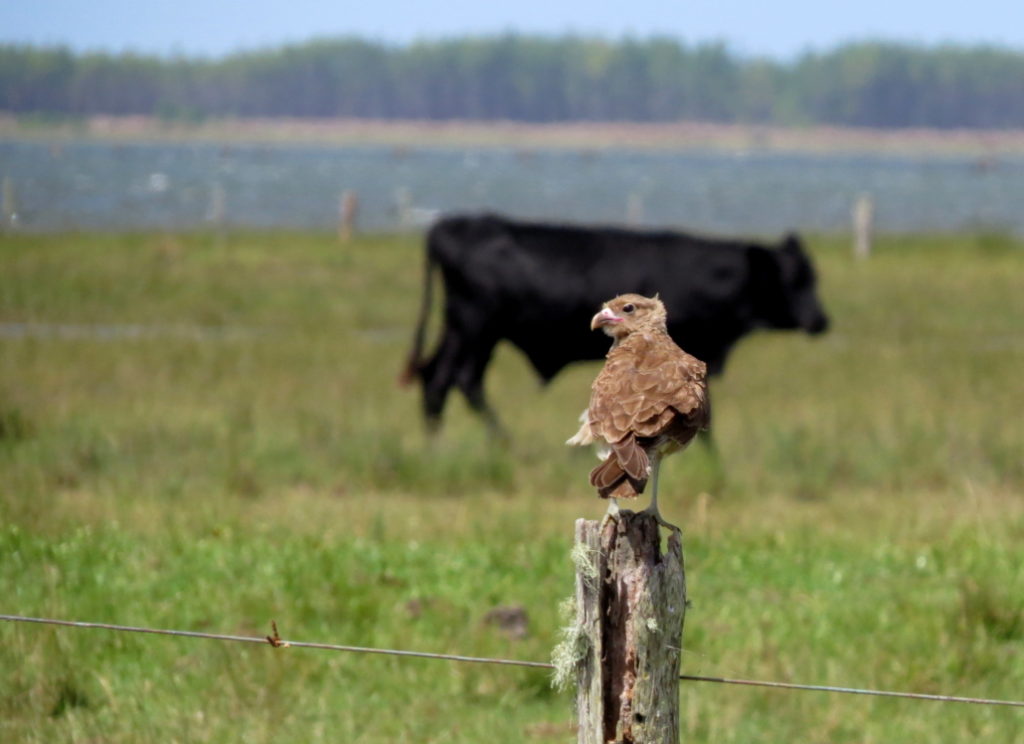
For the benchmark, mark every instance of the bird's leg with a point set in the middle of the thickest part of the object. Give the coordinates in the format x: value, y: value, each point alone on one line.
x: 613, y: 512
x: 653, y: 508
x: 655, y: 468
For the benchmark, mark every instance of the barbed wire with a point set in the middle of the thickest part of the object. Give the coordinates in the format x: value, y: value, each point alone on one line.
x: 274, y: 640
x: 277, y: 642
x: 855, y: 691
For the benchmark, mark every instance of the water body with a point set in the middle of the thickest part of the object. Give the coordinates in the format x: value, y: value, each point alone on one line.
x: 104, y: 186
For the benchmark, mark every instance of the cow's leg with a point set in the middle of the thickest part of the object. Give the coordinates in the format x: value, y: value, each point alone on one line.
x: 710, y: 447
x: 438, y: 375
x: 705, y: 438
x: 471, y: 383
x: 478, y: 402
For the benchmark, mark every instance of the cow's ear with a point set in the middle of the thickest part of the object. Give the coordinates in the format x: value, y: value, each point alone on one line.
x: 792, y: 244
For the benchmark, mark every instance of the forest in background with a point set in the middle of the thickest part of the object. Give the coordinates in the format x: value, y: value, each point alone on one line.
x: 532, y: 79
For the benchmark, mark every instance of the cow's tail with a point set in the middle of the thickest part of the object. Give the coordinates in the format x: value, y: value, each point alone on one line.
x: 415, y: 360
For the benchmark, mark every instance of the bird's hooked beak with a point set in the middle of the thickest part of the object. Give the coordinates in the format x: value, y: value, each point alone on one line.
x: 603, y: 318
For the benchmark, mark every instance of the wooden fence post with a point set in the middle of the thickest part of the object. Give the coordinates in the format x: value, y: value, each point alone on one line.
x: 348, y: 209
x: 630, y: 605
x: 403, y: 206
x: 216, y: 212
x: 8, y: 205
x: 863, y: 223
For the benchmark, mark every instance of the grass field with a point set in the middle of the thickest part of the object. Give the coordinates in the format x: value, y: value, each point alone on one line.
x: 207, y: 435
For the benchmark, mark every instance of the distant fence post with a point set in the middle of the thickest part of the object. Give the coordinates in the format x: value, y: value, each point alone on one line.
x: 863, y: 219
x: 216, y: 212
x: 8, y: 206
x: 403, y: 206
x: 630, y: 605
x: 348, y: 208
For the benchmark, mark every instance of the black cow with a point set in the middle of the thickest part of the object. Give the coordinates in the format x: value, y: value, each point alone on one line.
x: 538, y: 285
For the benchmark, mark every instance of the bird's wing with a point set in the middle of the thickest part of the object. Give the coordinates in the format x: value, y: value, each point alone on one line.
x: 643, y: 387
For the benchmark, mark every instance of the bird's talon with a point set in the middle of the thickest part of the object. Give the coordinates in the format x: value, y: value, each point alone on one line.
x: 612, y: 515
x: 659, y: 519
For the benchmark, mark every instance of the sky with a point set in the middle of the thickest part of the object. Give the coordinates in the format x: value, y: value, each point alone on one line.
x: 776, y: 28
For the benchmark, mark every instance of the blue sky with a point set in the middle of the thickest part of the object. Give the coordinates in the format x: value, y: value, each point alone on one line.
x: 778, y: 28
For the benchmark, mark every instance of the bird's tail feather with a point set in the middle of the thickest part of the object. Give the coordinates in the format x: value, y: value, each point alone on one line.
x: 631, y: 457
x: 612, y: 482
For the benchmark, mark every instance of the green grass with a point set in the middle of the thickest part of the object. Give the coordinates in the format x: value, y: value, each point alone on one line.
x: 207, y: 435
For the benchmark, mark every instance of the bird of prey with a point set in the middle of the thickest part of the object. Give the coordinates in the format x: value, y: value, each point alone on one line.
x: 648, y: 401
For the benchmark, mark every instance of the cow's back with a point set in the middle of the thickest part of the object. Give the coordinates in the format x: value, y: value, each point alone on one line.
x: 538, y: 284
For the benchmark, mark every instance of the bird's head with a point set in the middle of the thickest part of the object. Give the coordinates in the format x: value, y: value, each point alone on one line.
x: 627, y: 313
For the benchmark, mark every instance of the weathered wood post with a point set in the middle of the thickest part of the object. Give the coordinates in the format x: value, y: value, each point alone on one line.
x: 217, y: 207
x: 863, y: 223
x: 8, y: 205
x: 403, y: 207
x: 630, y: 605
x: 216, y: 212
x: 348, y: 210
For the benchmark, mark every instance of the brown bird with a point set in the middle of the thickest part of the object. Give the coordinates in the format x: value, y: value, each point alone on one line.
x: 648, y: 401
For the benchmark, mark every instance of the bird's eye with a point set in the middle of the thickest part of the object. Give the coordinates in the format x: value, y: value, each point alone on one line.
x: 628, y: 308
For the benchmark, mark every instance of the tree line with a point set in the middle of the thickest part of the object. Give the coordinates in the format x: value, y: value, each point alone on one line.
x: 532, y: 78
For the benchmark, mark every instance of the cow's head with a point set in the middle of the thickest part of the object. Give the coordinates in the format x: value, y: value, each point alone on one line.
x: 788, y: 289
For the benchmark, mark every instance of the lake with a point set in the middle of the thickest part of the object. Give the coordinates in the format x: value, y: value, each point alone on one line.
x: 119, y: 186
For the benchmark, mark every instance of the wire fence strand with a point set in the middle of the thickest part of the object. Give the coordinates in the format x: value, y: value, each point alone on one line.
x: 277, y: 642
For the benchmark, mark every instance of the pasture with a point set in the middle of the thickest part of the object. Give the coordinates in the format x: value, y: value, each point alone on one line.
x: 206, y: 434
